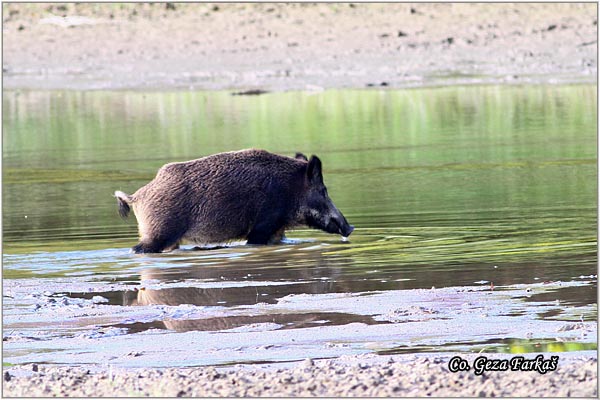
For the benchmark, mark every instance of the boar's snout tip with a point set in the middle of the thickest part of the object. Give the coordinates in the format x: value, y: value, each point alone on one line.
x: 348, y: 230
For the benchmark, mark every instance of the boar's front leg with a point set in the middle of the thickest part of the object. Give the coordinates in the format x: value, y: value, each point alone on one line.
x: 266, y: 234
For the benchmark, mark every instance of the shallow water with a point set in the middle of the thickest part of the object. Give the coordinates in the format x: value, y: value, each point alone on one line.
x: 486, y: 194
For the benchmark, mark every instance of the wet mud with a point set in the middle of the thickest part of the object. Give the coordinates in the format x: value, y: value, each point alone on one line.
x: 200, y: 316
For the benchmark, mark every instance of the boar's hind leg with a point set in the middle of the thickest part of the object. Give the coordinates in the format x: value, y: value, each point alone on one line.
x: 157, y: 245
x: 143, y: 247
x: 163, y: 234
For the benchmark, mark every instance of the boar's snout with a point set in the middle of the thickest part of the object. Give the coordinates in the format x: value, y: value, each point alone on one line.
x: 348, y: 230
x: 320, y: 212
x: 338, y: 224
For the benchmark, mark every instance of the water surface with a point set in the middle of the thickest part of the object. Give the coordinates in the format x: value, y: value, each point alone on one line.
x: 489, y: 190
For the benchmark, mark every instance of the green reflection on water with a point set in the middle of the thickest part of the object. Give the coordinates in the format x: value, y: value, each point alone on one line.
x: 519, y: 346
x: 431, y: 175
x: 508, y: 346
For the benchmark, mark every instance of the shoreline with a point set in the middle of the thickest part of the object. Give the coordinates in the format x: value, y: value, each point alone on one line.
x: 360, y: 375
x: 243, y: 92
x: 279, y: 47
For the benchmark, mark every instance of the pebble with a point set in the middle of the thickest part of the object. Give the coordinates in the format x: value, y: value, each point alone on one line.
x: 307, y: 363
x: 99, y: 299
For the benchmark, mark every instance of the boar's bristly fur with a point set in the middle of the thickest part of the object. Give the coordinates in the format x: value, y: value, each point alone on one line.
x: 247, y: 194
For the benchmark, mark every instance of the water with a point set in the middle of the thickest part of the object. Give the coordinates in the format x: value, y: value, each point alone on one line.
x: 487, y: 194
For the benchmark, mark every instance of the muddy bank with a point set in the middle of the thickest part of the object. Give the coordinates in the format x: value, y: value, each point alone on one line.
x: 195, y: 322
x: 369, y: 376
x: 295, y: 46
x: 163, y: 340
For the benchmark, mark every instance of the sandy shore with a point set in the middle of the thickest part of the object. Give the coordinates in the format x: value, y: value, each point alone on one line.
x: 298, y: 46
x: 351, y: 376
x: 56, y: 331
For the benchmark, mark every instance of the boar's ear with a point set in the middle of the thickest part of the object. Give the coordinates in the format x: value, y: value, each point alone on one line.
x: 300, y: 156
x: 313, y: 171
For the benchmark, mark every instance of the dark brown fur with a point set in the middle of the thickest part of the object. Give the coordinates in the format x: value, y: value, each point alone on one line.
x: 248, y: 194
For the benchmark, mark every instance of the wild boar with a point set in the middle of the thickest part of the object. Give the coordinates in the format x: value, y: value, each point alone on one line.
x: 248, y: 194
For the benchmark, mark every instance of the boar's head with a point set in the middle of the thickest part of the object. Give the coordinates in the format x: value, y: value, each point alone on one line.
x: 318, y: 210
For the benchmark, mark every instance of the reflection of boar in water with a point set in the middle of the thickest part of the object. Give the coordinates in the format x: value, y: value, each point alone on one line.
x: 247, y: 194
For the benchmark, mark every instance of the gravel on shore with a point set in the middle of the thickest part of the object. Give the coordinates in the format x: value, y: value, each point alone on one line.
x: 282, y: 46
x: 356, y: 376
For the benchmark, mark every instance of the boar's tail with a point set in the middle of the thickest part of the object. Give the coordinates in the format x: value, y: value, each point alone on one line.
x: 124, y: 199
